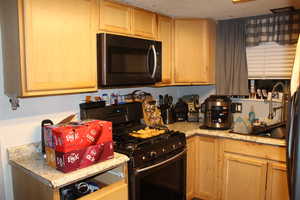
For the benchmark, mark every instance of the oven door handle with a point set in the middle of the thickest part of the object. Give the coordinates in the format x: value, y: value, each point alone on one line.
x: 161, y: 163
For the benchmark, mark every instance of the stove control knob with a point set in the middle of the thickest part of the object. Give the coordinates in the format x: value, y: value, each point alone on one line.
x: 153, y: 154
x: 173, y: 146
x: 144, y: 158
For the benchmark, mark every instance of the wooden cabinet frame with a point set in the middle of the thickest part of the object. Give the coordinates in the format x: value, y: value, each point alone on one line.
x: 267, y: 161
x: 114, y: 25
x: 46, y: 60
x: 26, y: 186
x: 203, y: 174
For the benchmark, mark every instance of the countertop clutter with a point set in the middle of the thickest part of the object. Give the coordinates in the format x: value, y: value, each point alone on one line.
x: 193, y: 128
x: 29, y: 159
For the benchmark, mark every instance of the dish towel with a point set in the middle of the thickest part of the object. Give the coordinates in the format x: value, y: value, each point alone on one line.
x: 296, y: 70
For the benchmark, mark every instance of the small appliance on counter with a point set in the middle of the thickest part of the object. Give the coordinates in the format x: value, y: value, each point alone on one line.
x: 218, y: 112
x: 180, y: 111
x: 167, y: 109
x: 192, y: 102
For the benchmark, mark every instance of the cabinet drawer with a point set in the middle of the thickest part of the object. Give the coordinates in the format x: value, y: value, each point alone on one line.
x: 254, y: 149
x: 115, y: 191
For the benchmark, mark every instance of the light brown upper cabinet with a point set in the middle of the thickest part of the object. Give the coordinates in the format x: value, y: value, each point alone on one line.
x: 115, y: 17
x: 194, y: 51
x: 49, y: 47
x: 165, y: 35
x: 144, y: 23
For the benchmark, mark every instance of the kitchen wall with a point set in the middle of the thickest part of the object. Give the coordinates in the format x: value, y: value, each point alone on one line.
x: 22, y: 126
x: 260, y: 108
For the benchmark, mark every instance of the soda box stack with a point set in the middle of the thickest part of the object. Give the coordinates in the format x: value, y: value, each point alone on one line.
x: 77, y: 145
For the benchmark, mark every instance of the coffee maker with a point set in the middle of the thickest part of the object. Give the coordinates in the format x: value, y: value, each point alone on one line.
x: 193, y: 105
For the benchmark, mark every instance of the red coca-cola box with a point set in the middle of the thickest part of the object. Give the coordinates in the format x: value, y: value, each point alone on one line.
x: 77, y: 159
x: 75, y: 136
x: 77, y: 145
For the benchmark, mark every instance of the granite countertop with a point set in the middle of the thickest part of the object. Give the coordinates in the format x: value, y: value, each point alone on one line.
x: 28, y: 158
x: 192, y: 128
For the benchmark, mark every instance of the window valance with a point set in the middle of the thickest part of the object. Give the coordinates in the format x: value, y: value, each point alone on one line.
x: 280, y: 28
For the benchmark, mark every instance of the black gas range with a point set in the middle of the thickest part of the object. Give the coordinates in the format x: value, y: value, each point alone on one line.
x: 157, y: 166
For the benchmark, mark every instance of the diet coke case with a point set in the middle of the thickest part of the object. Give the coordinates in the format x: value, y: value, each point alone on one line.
x: 74, y: 136
x: 73, y: 146
x: 77, y: 159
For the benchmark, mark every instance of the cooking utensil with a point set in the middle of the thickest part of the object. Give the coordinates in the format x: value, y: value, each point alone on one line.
x: 161, y: 100
x: 166, y: 100
x: 170, y: 101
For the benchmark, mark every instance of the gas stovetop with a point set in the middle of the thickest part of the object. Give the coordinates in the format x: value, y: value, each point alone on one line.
x: 126, y: 118
x: 145, y: 152
x: 129, y: 144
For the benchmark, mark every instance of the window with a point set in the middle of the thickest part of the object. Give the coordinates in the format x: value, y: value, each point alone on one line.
x: 270, y: 61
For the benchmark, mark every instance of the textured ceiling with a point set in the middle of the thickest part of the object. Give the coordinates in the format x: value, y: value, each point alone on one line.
x: 217, y: 9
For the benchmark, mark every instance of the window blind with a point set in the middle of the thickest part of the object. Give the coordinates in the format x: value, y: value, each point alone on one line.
x: 270, y: 61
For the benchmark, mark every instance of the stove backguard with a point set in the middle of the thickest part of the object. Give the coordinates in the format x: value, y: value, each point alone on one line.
x: 117, y: 114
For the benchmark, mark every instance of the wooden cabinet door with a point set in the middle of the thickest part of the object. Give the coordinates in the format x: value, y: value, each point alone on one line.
x: 206, y: 168
x: 191, y: 166
x: 209, y: 49
x: 243, y: 178
x: 115, y: 17
x: 59, y: 47
x: 116, y: 191
x: 277, y: 186
x: 165, y: 35
x: 144, y: 23
x: 193, y: 51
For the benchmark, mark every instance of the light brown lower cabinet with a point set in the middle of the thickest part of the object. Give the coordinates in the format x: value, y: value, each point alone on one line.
x: 191, y: 166
x: 227, y: 169
x: 28, y: 187
x: 244, y: 178
x: 277, y: 182
x: 116, y: 191
x: 202, y: 172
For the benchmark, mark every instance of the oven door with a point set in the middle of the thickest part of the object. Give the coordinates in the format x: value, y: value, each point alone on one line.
x: 128, y: 61
x: 164, y: 180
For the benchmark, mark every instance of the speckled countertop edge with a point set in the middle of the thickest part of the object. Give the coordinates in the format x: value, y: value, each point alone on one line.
x: 28, y: 159
x: 192, y: 128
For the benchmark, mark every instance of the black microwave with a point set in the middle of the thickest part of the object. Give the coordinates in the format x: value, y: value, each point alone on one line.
x: 124, y: 60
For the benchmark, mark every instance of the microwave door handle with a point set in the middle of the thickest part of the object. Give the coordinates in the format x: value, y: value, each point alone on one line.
x: 147, y: 62
x: 155, y: 61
